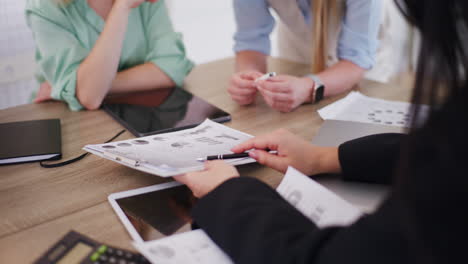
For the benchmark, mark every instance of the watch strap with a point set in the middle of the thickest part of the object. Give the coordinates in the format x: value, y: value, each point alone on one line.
x: 318, y: 90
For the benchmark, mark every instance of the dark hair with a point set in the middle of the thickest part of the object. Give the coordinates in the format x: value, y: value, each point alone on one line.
x: 433, y: 158
x: 442, y: 65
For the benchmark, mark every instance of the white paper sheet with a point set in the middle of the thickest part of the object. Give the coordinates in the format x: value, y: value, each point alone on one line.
x: 194, y: 247
x: 174, y: 153
x: 360, y: 108
x: 316, y: 202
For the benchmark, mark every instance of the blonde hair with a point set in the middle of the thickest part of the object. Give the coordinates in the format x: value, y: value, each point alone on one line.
x: 325, y: 15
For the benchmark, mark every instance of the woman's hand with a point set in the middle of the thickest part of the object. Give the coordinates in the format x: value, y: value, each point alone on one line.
x: 285, y: 93
x: 44, y: 93
x: 243, y: 88
x: 203, y: 182
x: 291, y: 151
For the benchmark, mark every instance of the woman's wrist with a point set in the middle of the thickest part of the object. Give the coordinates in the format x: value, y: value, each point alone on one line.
x: 308, y: 85
x: 327, y: 160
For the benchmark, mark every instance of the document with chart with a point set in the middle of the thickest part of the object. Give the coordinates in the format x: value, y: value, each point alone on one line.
x: 174, y: 153
x: 364, y: 109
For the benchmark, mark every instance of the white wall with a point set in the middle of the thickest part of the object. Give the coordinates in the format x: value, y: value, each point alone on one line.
x: 16, y: 55
x: 208, y: 27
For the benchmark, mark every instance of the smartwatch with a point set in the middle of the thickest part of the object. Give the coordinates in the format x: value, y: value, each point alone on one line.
x: 319, y: 89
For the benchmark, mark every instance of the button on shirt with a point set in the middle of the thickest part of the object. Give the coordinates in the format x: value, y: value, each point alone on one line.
x: 358, y: 40
x: 66, y: 34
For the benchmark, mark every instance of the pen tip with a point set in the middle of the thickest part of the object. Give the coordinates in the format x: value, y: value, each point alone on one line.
x: 201, y: 159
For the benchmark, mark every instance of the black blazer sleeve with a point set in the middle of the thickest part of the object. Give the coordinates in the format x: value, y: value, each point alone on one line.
x: 370, y: 159
x: 252, y: 223
x: 424, y: 219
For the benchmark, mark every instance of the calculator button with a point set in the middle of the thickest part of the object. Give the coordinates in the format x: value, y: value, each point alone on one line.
x: 129, y: 255
x: 122, y: 261
x: 112, y: 260
x: 119, y: 253
x: 103, y: 258
x: 102, y: 249
x: 110, y: 250
x: 94, y: 256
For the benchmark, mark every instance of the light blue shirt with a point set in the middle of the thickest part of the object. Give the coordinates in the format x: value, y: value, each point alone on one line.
x: 358, y: 40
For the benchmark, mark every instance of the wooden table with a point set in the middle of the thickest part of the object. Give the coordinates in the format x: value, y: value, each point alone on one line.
x: 38, y: 206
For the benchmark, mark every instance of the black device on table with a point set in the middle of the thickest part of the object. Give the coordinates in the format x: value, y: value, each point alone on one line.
x: 75, y: 248
x: 160, y: 111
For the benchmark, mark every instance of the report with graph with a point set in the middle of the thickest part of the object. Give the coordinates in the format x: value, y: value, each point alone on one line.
x: 174, y: 153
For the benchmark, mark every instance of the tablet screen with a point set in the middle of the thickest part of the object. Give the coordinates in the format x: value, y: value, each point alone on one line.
x: 162, y: 110
x: 159, y: 213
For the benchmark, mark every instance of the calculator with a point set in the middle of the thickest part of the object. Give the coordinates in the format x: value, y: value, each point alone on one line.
x: 75, y: 248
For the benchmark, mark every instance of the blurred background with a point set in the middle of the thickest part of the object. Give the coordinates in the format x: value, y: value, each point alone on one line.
x: 205, y: 41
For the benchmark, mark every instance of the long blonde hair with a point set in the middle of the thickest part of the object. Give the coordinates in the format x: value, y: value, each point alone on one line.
x: 325, y: 14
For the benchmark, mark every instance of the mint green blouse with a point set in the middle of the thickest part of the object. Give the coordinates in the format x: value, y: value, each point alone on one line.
x: 65, y: 35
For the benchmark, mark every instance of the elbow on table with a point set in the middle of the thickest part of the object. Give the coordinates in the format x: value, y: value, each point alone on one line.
x: 89, y: 101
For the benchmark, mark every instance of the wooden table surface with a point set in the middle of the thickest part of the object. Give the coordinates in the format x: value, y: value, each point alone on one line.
x: 38, y: 206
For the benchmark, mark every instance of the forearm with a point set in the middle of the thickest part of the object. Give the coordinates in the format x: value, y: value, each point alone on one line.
x: 341, y: 77
x: 251, y: 60
x: 141, y: 78
x: 371, y: 159
x: 97, y: 72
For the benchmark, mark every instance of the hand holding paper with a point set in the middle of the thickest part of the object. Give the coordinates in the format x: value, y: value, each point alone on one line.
x: 203, y: 182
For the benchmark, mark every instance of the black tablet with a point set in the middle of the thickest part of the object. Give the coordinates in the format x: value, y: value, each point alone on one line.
x: 160, y: 111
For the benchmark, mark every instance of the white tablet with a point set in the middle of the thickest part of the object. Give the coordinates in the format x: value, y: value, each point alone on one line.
x: 154, y: 212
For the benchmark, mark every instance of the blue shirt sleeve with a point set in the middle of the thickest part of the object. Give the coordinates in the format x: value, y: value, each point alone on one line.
x: 254, y: 26
x: 358, y: 40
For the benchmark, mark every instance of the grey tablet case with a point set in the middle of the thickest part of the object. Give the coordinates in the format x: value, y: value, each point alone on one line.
x: 335, y: 132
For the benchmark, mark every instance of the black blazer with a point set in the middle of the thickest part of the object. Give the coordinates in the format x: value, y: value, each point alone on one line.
x: 424, y: 219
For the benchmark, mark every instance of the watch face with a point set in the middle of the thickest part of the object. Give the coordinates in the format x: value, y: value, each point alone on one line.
x: 319, y: 93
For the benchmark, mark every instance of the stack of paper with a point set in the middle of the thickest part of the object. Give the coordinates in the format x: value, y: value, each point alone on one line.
x: 317, y: 203
x: 360, y: 108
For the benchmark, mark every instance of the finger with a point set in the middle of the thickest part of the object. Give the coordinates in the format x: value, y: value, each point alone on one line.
x: 261, y: 142
x: 250, y: 75
x: 282, y: 107
x: 41, y: 98
x: 243, y: 83
x: 276, y: 87
x: 266, y: 97
x: 236, y: 90
x: 270, y: 160
x: 279, y: 78
x: 182, y: 178
x: 278, y: 97
x: 244, y: 100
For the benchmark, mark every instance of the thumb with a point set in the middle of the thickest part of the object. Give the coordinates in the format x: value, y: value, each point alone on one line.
x: 40, y: 98
x: 182, y: 178
x: 271, y: 160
